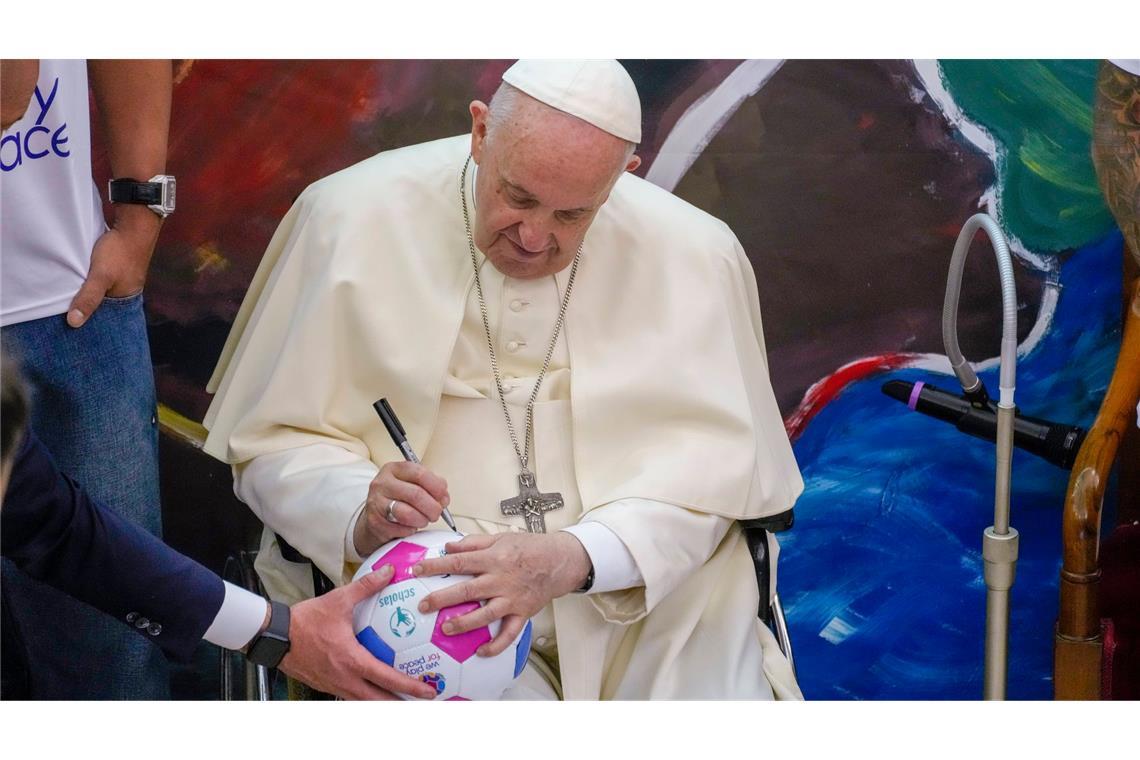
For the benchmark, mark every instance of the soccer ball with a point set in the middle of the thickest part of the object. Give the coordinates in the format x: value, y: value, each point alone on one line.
x: 392, y: 628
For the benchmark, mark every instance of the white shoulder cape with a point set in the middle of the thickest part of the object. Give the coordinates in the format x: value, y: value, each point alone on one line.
x: 361, y: 292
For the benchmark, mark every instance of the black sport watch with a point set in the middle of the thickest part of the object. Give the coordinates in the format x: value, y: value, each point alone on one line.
x: 270, y: 646
x: 157, y: 193
x: 588, y: 583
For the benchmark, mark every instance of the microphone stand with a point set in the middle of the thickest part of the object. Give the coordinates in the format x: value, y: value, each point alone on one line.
x: 999, y: 541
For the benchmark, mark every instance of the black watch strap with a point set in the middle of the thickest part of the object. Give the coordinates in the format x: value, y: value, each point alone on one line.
x: 129, y: 190
x: 270, y: 646
x: 588, y: 583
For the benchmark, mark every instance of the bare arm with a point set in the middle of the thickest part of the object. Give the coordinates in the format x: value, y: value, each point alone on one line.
x: 134, y: 109
x: 133, y: 98
x: 17, y: 83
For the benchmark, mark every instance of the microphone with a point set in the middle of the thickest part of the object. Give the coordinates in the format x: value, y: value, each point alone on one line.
x: 1055, y: 443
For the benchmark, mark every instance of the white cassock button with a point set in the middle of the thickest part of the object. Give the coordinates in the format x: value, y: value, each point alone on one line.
x: 513, y: 346
x: 517, y: 305
x: 540, y: 641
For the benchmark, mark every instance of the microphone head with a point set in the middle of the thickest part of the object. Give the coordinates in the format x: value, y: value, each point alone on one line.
x: 898, y: 390
x: 1064, y: 443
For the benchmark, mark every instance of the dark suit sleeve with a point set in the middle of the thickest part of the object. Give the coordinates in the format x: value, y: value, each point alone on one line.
x: 54, y: 532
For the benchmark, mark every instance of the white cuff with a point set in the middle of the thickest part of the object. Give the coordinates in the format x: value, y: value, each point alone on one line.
x: 614, y: 567
x: 238, y: 620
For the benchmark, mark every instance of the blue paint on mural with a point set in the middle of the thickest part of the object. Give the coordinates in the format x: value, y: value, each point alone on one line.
x: 882, y: 575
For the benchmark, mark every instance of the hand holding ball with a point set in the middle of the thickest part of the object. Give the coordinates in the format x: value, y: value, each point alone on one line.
x: 391, y: 626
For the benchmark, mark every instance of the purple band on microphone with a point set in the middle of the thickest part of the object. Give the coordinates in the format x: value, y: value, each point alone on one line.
x: 913, y: 402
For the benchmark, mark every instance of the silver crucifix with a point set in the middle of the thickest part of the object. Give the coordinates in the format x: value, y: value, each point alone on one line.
x: 531, y: 504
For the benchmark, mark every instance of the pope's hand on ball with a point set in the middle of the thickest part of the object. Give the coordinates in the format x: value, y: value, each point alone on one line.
x: 515, y: 575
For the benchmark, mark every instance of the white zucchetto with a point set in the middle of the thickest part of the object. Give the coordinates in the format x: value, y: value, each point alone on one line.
x: 599, y: 92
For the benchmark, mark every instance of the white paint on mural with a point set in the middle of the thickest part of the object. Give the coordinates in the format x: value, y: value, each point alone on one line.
x: 704, y: 119
x: 836, y: 631
x: 930, y: 74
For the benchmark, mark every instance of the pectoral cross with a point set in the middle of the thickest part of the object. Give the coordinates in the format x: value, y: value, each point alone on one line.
x: 531, y: 504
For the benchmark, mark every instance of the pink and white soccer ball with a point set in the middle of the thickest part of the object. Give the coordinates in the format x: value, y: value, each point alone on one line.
x: 391, y: 626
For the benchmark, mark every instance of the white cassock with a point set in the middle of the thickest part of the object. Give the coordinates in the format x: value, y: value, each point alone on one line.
x: 656, y: 417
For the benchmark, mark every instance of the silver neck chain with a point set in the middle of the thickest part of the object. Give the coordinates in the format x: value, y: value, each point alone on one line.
x: 524, y: 452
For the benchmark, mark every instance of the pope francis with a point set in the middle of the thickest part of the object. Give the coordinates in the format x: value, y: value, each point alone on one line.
x: 579, y: 359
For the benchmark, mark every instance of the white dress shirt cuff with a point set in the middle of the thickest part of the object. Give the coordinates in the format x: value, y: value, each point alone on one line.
x: 614, y: 568
x: 238, y: 620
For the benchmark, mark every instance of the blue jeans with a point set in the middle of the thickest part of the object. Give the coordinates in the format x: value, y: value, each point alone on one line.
x: 93, y: 405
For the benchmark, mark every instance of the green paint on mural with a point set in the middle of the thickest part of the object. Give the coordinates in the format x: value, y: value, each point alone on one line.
x: 1040, y: 114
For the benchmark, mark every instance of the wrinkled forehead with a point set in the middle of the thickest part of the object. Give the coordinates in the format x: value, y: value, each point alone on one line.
x: 558, y: 158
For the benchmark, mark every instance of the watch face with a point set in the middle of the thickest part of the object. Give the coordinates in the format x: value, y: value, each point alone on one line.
x: 168, y: 194
x: 268, y: 651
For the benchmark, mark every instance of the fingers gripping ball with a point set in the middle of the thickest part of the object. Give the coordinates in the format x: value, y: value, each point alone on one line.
x: 391, y: 626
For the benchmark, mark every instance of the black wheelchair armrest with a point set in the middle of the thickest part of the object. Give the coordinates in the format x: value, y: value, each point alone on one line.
x: 756, y: 535
x: 777, y: 523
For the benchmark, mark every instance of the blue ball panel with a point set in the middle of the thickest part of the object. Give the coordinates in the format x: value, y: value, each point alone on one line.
x: 376, y: 646
x: 522, y: 649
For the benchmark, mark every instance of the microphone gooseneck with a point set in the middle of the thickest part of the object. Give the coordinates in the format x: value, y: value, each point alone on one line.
x: 999, y: 542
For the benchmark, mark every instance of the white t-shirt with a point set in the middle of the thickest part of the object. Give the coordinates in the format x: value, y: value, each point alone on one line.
x: 50, y: 212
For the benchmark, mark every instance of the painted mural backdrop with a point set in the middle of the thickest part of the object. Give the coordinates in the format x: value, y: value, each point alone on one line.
x: 847, y: 183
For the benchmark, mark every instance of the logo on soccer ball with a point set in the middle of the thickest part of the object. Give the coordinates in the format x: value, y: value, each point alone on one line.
x: 402, y: 623
x: 435, y: 680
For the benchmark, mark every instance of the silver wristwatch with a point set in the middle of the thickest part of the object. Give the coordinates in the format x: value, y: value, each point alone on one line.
x: 157, y: 193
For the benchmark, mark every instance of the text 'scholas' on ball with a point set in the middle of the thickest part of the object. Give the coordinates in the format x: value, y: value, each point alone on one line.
x: 391, y: 626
